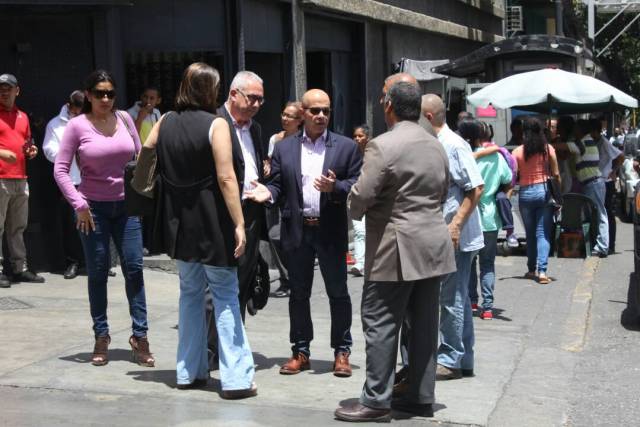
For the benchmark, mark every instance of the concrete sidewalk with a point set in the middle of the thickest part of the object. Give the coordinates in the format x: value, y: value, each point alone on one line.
x: 46, y: 377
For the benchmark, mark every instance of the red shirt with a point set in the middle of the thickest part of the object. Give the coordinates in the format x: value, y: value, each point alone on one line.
x: 14, y: 132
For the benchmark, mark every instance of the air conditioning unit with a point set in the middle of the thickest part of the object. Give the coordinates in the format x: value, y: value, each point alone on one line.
x: 514, y: 19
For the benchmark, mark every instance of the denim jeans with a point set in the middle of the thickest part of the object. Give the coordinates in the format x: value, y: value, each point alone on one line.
x: 538, y: 223
x: 111, y: 222
x: 487, y: 260
x: 236, y: 360
x: 456, y: 321
x: 358, y: 243
x: 596, y: 190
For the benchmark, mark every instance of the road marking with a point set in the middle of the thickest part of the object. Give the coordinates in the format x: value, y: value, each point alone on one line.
x: 577, y: 324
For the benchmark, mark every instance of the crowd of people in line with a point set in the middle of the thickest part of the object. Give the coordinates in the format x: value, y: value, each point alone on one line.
x: 426, y: 205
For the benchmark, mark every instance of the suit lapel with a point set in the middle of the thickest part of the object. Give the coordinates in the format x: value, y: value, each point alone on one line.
x: 329, y: 156
x: 329, y: 153
x: 235, y: 144
x: 297, y: 163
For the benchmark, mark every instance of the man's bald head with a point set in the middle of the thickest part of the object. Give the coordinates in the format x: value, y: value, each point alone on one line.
x: 317, y: 110
x: 434, y: 110
x: 314, y: 95
x: 393, y: 79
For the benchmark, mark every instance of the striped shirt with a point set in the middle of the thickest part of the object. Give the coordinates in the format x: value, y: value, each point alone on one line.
x: 587, y: 159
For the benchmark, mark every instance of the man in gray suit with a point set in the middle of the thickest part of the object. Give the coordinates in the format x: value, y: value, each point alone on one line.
x: 401, y: 189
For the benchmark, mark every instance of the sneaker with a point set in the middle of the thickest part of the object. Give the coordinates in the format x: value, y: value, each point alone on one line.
x: 486, y: 315
x: 4, y: 282
x: 512, y: 241
x: 27, y: 277
x: 350, y: 259
x: 474, y: 307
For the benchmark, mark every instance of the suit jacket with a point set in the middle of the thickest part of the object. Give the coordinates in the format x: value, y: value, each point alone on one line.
x: 344, y: 159
x: 403, y: 184
x: 238, y: 158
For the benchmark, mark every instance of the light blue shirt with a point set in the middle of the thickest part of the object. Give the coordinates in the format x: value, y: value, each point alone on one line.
x: 464, y: 176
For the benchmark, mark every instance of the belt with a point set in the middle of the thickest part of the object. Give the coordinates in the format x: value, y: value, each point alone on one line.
x: 312, y: 221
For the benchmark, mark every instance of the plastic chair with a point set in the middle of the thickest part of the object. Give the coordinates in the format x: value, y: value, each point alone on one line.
x: 578, y: 217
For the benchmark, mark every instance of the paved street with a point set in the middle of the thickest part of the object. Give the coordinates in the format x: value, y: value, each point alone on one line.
x: 554, y: 355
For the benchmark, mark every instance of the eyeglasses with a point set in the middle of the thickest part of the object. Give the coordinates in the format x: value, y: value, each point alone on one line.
x: 252, y: 99
x: 100, y: 94
x: 317, y: 110
x: 289, y: 116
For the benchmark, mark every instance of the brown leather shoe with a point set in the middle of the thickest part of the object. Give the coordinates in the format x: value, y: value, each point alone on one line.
x: 444, y: 373
x: 360, y: 413
x: 100, y: 349
x: 341, y: 367
x: 140, y: 351
x: 297, y: 363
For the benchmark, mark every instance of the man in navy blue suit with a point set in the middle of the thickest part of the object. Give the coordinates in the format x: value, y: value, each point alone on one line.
x: 311, y: 175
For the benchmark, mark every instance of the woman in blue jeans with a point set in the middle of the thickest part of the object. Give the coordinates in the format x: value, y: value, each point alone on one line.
x: 103, y: 140
x: 536, y: 162
x: 203, y: 230
x: 496, y: 174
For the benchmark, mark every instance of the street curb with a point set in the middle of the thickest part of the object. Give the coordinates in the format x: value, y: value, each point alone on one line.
x: 577, y: 324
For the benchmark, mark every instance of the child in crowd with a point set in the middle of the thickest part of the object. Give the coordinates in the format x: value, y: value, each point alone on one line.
x: 145, y: 113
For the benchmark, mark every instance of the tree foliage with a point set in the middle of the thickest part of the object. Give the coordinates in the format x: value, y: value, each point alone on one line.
x: 621, y: 62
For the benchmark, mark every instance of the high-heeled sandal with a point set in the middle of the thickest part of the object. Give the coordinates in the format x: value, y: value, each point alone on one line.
x: 140, y: 351
x: 100, y: 349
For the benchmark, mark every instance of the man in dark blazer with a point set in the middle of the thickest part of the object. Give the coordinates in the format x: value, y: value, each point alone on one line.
x: 311, y: 175
x: 403, y: 183
x: 246, y: 96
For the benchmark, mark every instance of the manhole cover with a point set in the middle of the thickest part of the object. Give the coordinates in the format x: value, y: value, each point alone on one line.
x: 10, y: 303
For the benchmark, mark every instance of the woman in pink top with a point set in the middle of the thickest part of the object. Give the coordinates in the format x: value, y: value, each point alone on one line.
x: 103, y: 140
x: 536, y: 161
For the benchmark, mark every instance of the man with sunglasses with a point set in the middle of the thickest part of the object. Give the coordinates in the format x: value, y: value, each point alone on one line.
x: 311, y: 175
x: 16, y: 146
x: 246, y: 96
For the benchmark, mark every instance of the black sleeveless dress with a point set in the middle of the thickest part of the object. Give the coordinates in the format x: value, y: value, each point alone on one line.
x: 197, y: 225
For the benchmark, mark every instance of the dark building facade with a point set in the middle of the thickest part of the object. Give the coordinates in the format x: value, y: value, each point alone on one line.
x: 345, y: 47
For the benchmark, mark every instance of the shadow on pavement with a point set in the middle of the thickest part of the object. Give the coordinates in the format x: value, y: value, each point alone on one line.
x: 116, y: 354
x: 630, y: 318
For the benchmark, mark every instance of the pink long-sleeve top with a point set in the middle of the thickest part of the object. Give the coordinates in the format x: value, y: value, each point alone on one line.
x: 101, y: 160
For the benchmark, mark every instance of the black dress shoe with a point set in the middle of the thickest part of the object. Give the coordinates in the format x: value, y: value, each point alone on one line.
x: 112, y: 273
x: 419, y: 409
x: 4, y: 281
x: 358, y: 413
x: 27, y: 277
x: 72, y: 271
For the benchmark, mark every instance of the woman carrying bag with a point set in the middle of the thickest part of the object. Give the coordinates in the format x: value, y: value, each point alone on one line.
x: 537, y: 163
x: 102, y: 142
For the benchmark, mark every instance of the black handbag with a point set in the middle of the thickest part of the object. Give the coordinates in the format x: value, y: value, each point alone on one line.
x: 553, y: 187
x: 136, y: 204
x: 260, y: 288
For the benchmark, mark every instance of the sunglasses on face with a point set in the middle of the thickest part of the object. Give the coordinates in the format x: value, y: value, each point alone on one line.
x: 100, y: 94
x: 317, y: 110
x: 252, y: 99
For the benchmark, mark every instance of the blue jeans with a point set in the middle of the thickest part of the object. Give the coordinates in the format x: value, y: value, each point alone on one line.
x: 456, y: 319
x: 487, y: 259
x: 358, y: 243
x: 111, y: 222
x: 538, y: 224
x: 236, y: 360
x: 596, y: 191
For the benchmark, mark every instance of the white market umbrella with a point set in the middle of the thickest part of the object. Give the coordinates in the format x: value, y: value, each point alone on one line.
x: 552, y: 90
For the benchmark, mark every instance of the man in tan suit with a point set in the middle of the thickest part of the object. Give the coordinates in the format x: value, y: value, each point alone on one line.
x: 408, y: 249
